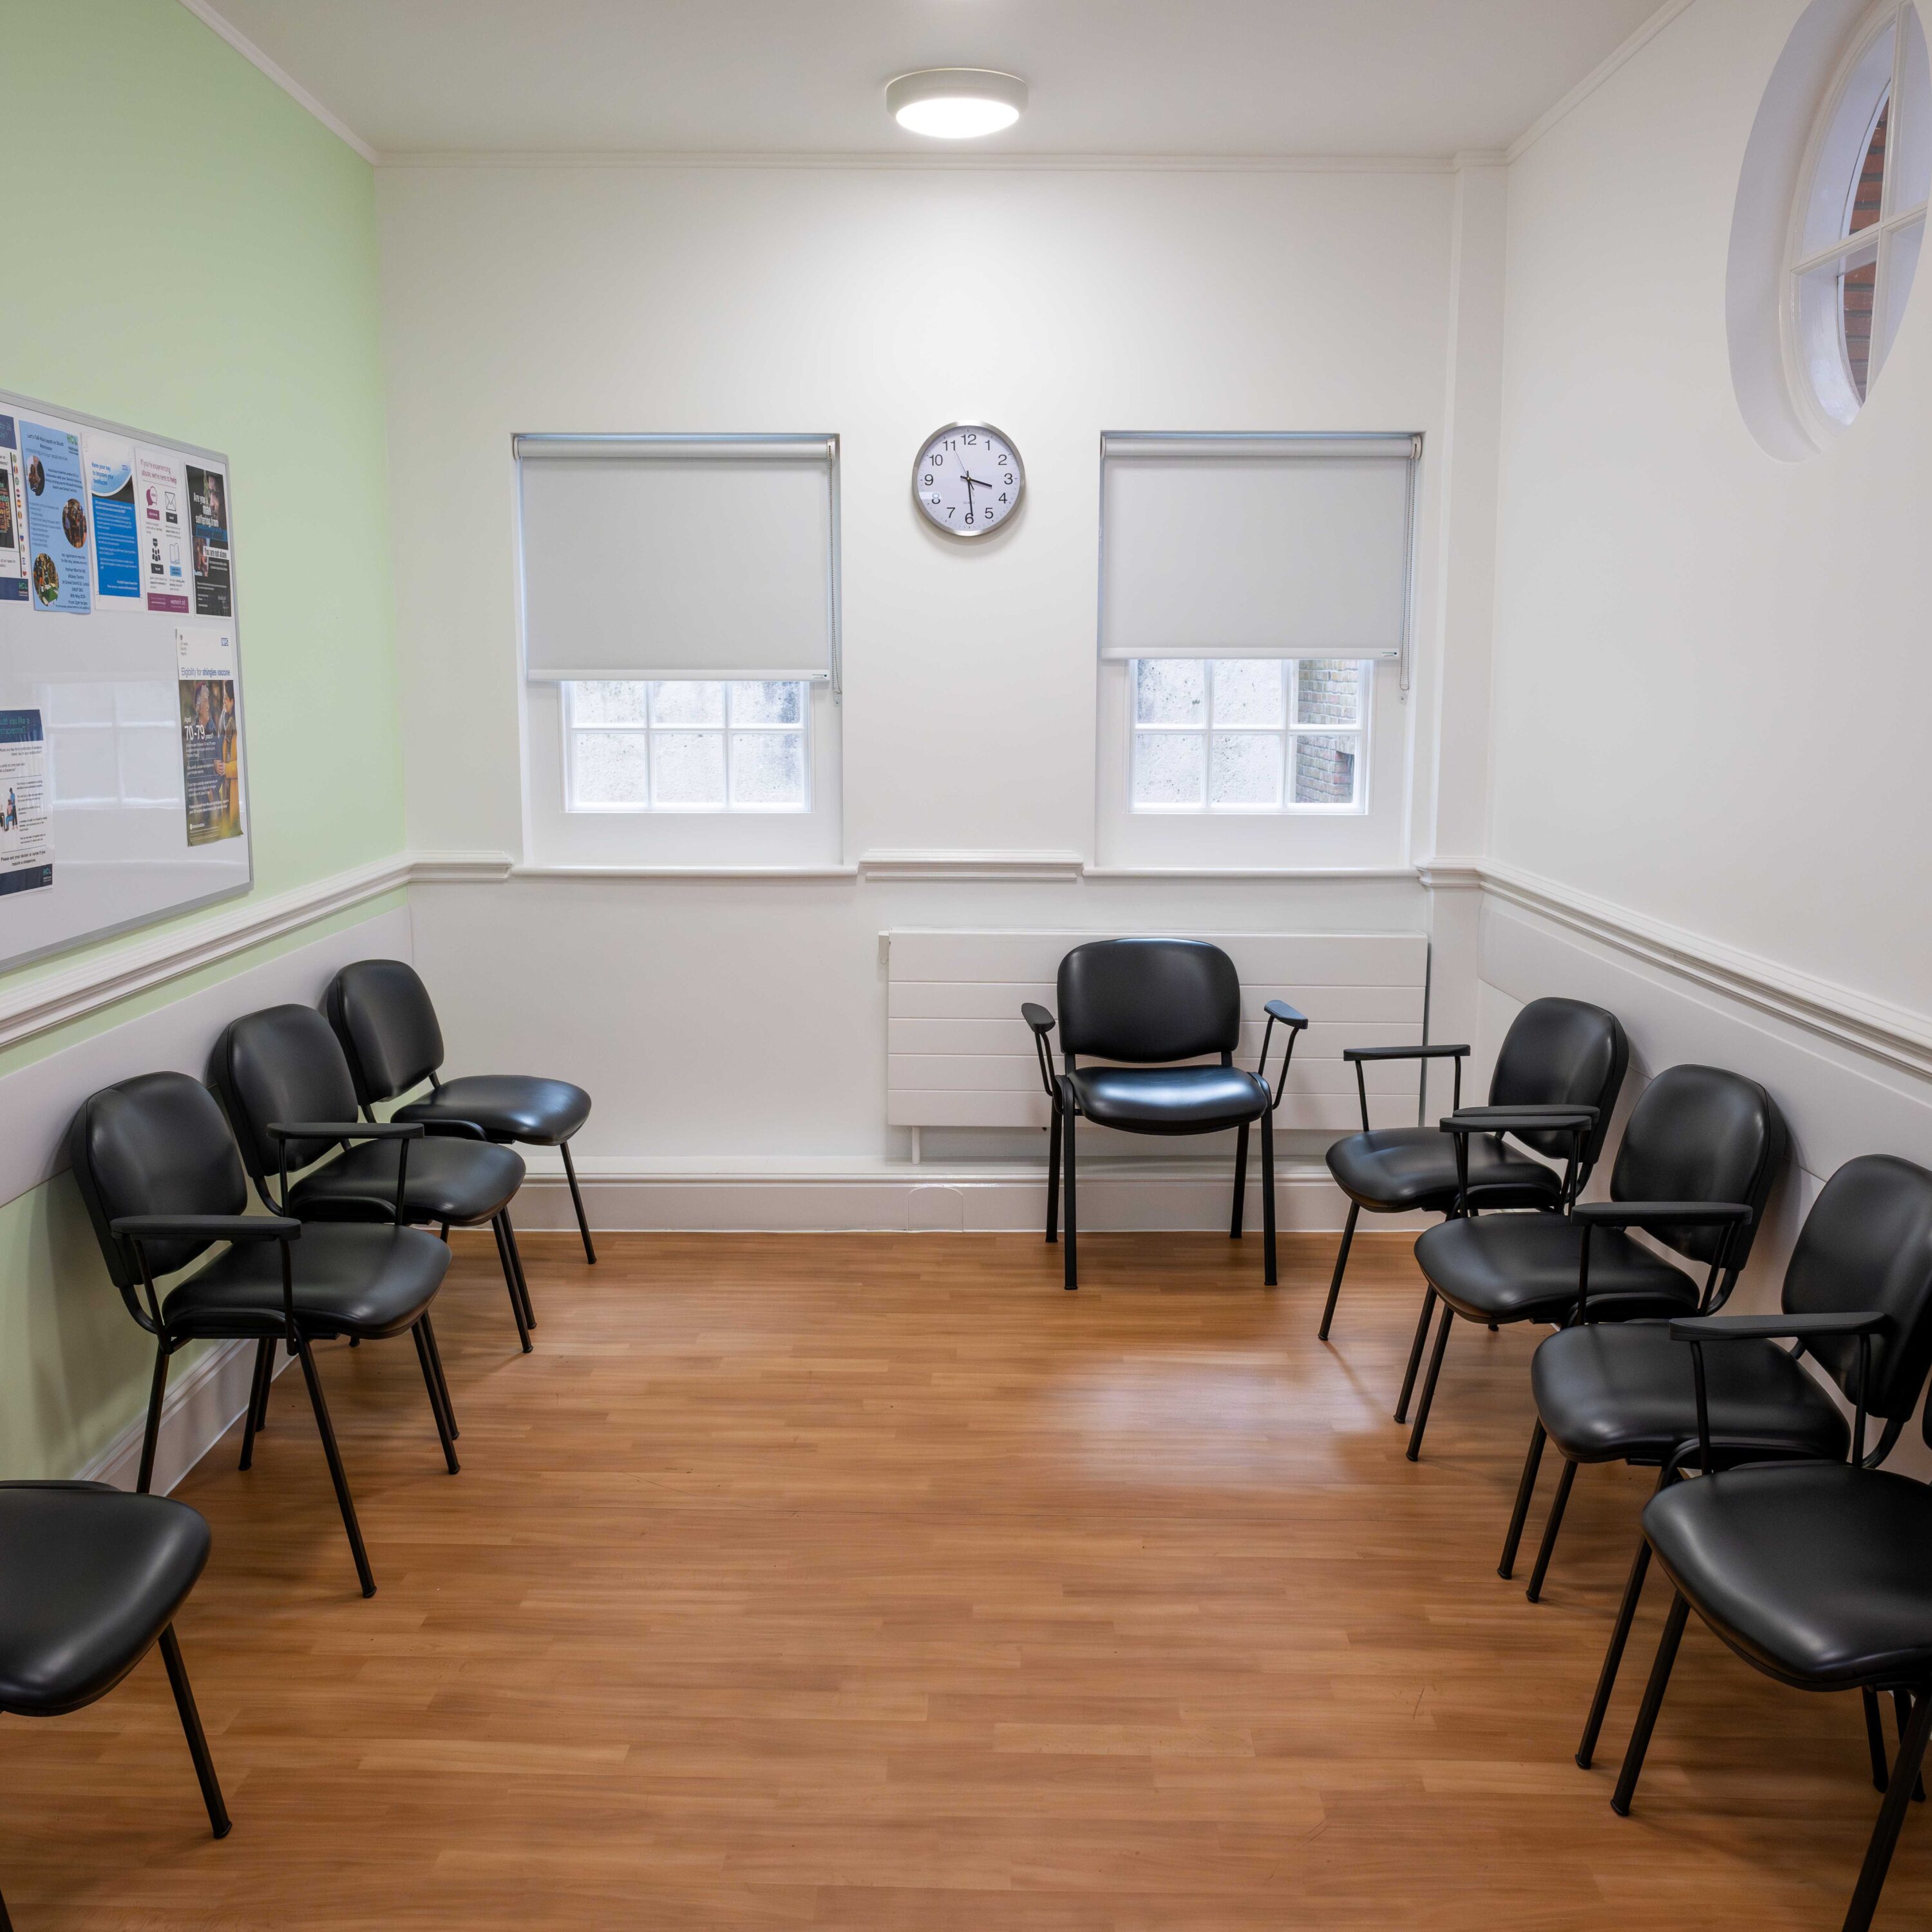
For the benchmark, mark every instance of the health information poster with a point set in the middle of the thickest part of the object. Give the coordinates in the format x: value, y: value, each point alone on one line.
x: 208, y: 494
x: 26, y: 842
x: 13, y: 518
x: 57, y: 521
x: 161, y: 497
x: 211, y: 726
x: 110, y: 485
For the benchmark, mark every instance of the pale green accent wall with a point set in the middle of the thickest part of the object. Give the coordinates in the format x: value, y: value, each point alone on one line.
x: 199, y: 260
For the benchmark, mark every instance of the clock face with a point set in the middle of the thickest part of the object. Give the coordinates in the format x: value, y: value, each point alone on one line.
x: 968, y: 479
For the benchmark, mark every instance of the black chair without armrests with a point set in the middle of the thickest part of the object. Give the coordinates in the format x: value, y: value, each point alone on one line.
x: 1819, y: 1574
x: 162, y: 1183
x: 1143, y: 1002
x: 1558, y: 1052
x: 1698, y: 1156
x: 95, y: 1578
x: 382, y: 1012
x: 285, y: 1080
x: 1857, y: 1299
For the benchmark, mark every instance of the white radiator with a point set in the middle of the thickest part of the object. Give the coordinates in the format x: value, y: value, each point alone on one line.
x: 959, y: 1055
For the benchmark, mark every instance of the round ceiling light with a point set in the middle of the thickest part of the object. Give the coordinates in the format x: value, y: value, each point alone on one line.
x: 955, y: 104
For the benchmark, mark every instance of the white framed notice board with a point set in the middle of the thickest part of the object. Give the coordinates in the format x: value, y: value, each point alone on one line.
x: 124, y: 789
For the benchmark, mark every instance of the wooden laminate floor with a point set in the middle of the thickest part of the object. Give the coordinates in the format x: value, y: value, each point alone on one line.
x: 871, y: 1581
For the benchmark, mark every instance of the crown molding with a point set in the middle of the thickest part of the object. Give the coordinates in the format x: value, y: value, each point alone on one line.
x: 280, y: 76
x: 1596, y: 77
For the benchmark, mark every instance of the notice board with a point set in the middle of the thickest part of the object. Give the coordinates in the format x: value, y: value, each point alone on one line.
x: 123, y: 793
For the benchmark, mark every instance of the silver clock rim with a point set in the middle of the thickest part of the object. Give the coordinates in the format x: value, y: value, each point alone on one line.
x: 947, y: 530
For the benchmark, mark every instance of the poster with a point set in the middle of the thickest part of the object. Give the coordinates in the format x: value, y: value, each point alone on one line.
x: 57, y: 519
x: 161, y: 493
x: 110, y: 489
x: 208, y: 499
x: 209, y: 684
x: 13, y: 518
x: 26, y: 840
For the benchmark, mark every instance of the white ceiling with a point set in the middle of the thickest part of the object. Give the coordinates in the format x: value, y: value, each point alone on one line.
x: 1210, y: 77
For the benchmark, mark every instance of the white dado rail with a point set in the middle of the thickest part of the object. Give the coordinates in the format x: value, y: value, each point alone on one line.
x: 959, y: 1055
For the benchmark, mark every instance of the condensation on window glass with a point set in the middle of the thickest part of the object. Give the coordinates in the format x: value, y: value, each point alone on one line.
x: 767, y: 770
x: 610, y: 701
x: 1248, y: 692
x: 767, y: 702
x: 1244, y: 769
x: 1170, y: 691
x: 689, y: 768
x: 688, y: 701
x: 1325, y: 770
x: 609, y: 768
x: 1327, y: 691
x: 1169, y: 769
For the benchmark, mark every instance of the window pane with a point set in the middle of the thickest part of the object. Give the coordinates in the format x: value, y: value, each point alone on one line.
x: 1901, y: 264
x: 1247, y: 690
x: 767, y: 768
x: 767, y: 703
x: 1170, y: 691
x: 1856, y: 287
x: 687, y: 702
x: 608, y: 768
x: 608, y: 701
x: 1324, y: 770
x: 1821, y: 334
x: 1244, y: 769
x: 690, y: 764
x: 1868, y: 198
x: 1169, y: 769
x: 1328, y: 691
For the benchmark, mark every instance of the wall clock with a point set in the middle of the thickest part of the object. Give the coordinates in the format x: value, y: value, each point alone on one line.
x: 968, y: 480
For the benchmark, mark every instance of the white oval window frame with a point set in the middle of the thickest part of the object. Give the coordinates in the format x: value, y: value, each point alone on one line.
x: 1783, y: 161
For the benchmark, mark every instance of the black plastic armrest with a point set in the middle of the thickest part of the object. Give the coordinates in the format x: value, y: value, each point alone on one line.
x: 1279, y: 1010
x: 1296, y: 1024
x: 1660, y: 1214
x: 1769, y: 1327
x: 206, y: 1227
x: 1519, y: 1121
x: 345, y: 1130
x: 1037, y: 1017
x: 1404, y: 1052
x: 1041, y: 1021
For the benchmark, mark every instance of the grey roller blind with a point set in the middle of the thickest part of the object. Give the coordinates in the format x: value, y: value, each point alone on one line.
x: 1264, y: 546
x: 678, y: 556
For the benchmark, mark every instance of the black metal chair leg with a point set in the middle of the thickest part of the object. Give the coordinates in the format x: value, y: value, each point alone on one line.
x: 1524, y: 1489
x: 1891, y: 1814
x: 1415, y: 1354
x: 1341, y: 1262
x: 435, y: 1398
x: 1613, y: 1657
x: 6, y: 1923
x: 577, y: 1201
x: 1534, y: 1592
x: 197, y: 1741
x: 1422, y: 1407
x: 1240, y: 1182
x: 150, y: 1439
x: 1053, y: 1177
x: 1269, y: 1275
x: 510, y: 1282
x: 442, y: 1380
x: 1901, y: 1704
x: 1653, y: 1702
x: 516, y: 1262
x: 264, y: 1351
x: 306, y: 1355
x: 1070, y: 1242
x: 1875, y: 1738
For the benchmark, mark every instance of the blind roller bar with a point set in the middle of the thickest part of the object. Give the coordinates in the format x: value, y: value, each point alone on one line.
x: 1216, y: 446
x: 625, y: 448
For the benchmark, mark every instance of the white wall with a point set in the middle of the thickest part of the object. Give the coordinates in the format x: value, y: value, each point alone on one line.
x: 739, y: 1018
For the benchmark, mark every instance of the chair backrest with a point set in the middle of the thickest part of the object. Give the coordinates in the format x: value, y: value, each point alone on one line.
x: 1562, y: 1052
x: 1866, y: 1243
x: 1700, y: 1133
x: 282, y: 1063
x: 155, y: 1144
x: 1146, y: 1000
x: 382, y: 1013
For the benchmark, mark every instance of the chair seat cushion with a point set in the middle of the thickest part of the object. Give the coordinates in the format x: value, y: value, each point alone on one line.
x: 1522, y: 1267
x: 349, y: 1280
x: 507, y: 1106
x: 93, y: 1576
x: 1624, y: 1392
x: 1819, y: 1573
x: 457, y: 1180
x: 1169, y: 1099
x: 1395, y: 1168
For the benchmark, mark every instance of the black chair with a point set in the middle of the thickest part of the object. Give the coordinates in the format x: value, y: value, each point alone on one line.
x: 1859, y: 1283
x: 1698, y: 1156
x: 382, y: 1012
x: 162, y: 1183
x: 1560, y: 1054
x: 284, y: 1078
x: 1819, y: 1574
x: 95, y: 1577
x: 1144, y: 1001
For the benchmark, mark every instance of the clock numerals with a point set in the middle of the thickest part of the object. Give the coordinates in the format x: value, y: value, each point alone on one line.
x: 978, y: 488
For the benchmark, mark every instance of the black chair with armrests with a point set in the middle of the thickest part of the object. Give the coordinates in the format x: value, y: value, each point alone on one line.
x: 1857, y: 1299
x: 382, y: 1012
x: 1698, y: 1156
x: 1144, y: 1002
x: 1818, y: 1573
x: 1560, y: 1053
x: 163, y: 1182
x: 95, y: 1578
x: 285, y: 1080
